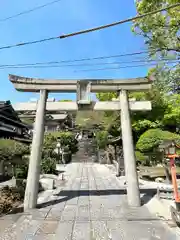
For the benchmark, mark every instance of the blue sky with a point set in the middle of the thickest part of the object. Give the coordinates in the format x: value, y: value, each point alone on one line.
x: 64, y: 17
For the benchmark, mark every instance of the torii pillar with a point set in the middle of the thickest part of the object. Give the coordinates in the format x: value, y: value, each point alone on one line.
x: 133, y: 194
x: 32, y: 185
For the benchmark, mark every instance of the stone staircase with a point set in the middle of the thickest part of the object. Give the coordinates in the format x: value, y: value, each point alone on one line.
x: 86, y: 152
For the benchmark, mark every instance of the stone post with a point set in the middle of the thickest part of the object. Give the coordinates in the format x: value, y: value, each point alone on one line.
x: 32, y: 186
x: 133, y: 193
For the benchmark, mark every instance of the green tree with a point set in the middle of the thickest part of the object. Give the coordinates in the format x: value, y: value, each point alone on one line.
x: 111, y: 119
x: 171, y: 118
x: 165, y: 113
x: 102, y: 139
x: 144, y: 120
x: 87, y: 119
x: 106, y: 96
x: 161, y: 33
x: 65, y: 138
x: 49, y: 157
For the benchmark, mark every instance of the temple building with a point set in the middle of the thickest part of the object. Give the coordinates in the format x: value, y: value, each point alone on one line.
x: 11, y: 125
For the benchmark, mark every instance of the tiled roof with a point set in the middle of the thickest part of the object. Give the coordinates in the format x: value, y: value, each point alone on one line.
x: 10, y: 124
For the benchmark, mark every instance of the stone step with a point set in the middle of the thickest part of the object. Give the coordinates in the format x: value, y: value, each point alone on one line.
x: 85, y: 146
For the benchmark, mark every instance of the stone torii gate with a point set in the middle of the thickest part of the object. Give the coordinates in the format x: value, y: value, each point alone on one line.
x: 83, y: 88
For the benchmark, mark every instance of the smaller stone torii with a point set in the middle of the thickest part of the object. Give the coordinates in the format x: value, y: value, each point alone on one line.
x: 83, y: 88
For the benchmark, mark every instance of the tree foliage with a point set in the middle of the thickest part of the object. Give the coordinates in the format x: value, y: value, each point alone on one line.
x: 172, y: 113
x: 165, y: 114
x: 49, y: 157
x: 87, y: 119
x: 161, y: 34
x: 102, y: 139
x: 161, y: 30
x: 65, y: 138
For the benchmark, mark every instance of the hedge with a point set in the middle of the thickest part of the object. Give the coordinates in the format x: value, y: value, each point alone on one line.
x: 153, y: 137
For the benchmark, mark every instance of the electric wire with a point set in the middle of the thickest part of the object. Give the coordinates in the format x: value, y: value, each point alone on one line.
x: 79, y: 60
x: 30, y: 10
x: 91, y: 64
x: 121, y: 67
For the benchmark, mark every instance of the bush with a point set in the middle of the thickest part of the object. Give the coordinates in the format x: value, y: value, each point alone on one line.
x: 48, y: 166
x: 141, y: 158
x: 21, y: 171
x: 102, y: 139
x: 65, y: 138
x: 10, y: 148
x: 152, y: 138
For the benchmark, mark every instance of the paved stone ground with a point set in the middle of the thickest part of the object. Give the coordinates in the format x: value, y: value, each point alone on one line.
x: 88, y: 206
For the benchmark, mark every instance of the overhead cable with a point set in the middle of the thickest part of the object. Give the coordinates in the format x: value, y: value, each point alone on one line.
x: 81, y: 59
x: 120, y: 67
x: 29, y: 11
x: 90, y: 64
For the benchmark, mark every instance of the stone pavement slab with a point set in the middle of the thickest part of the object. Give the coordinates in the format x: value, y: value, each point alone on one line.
x: 90, y: 205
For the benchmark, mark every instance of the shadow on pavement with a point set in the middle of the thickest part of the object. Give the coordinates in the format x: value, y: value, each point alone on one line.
x: 70, y: 194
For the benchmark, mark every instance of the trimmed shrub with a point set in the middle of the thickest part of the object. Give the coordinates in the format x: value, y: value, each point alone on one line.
x: 152, y: 138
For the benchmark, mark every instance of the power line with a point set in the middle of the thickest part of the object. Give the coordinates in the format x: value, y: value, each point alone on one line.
x: 121, y: 22
x: 89, y: 30
x: 91, y: 64
x: 29, y: 11
x: 112, y: 68
x: 80, y: 60
x: 29, y: 43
